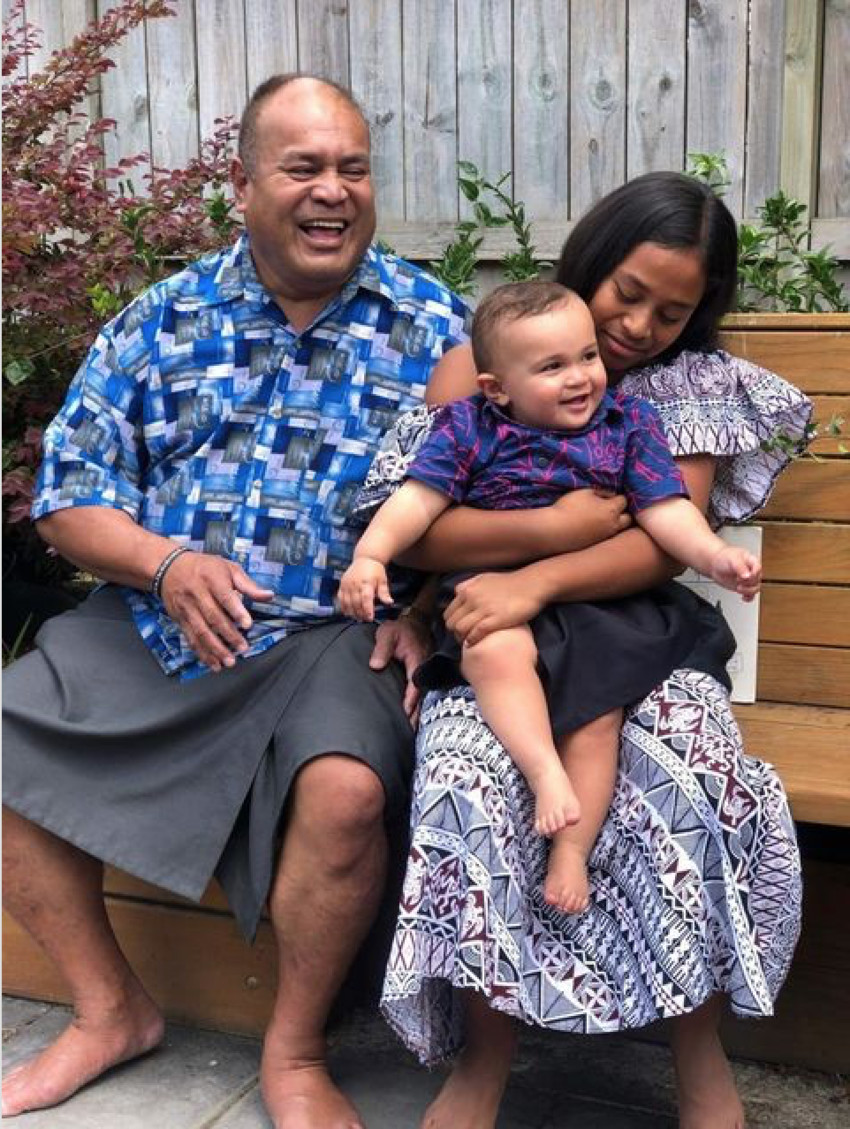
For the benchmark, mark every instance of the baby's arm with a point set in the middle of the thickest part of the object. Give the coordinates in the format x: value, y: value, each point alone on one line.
x: 400, y: 521
x: 682, y: 531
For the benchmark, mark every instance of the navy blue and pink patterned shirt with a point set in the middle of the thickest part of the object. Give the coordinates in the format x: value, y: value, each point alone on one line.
x: 478, y: 455
x: 205, y: 417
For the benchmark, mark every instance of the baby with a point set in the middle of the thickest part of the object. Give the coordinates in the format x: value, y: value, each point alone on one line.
x: 544, y: 423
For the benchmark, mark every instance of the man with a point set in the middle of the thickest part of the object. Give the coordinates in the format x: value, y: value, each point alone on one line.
x: 236, y: 406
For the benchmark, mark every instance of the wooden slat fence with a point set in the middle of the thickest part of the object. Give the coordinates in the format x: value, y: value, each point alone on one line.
x: 570, y: 96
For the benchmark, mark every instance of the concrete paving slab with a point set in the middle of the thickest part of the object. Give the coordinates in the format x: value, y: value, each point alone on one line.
x: 204, y: 1080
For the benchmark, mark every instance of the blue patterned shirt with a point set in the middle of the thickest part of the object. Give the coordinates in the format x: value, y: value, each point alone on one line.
x: 478, y: 455
x: 203, y: 415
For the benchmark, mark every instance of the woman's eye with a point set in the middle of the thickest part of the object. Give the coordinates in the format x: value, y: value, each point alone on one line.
x: 624, y: 296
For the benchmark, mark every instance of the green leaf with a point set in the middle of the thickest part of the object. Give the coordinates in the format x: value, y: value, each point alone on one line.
x: 19, y: 371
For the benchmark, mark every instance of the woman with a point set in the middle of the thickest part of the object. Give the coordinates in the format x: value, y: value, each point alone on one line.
x: 695, y: 877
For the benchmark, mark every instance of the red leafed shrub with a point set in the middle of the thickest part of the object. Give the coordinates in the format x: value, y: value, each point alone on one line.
x: 79, y: 241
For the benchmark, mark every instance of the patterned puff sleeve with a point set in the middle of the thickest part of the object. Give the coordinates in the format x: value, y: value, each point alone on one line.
x: 389, y: 466
x: 717, y: 404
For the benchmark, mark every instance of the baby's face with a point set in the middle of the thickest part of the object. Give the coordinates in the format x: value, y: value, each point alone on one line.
x: 550, y: 373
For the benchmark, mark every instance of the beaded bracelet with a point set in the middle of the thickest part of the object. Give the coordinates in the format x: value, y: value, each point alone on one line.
x: 164, y: 566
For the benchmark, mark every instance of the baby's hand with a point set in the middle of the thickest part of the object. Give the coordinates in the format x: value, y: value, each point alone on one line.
x: 737, y: 570
x: 363, y: 580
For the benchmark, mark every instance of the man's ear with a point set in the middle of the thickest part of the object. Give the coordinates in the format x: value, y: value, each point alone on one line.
x: 239, y: 180
x: 491, y: 386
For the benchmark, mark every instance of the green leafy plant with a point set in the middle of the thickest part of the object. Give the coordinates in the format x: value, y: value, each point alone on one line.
x: 493, y: 206
x: 776, y: 270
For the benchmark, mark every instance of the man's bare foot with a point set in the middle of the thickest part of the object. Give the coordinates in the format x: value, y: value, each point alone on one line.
x: 298, y: 1092
x: 556, y: 804
x: 86, y: 1049
x: 566, y: 886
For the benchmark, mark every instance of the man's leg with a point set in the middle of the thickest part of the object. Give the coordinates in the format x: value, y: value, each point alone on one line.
x: 324, y: 898
x: 55, y: 892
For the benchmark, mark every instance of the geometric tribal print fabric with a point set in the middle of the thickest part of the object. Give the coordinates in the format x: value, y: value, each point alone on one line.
x: 206, y: 418
x: 695, y: 880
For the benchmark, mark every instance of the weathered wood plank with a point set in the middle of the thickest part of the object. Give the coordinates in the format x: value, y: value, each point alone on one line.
x: 196, y: 965
x: 656, y: 84
x: 717, y: 70
x: 764, y: 86
x: 124, y: 97
x: 376, y: 82
x: 323, y: 39
x: 800, y: 105
x: 812, y: 676
x: 21, y: 70
x: 222, y: 76
x: 541, y: 48
x: 58, y: 24
x: 818, y: 615
x: 430, y: 112
x: 810, y: 747
x: 817, y: 362
x: 812, y: 491
x: 271, y: 39
x: 598, y: 102
x: 484, y: 87
x: 173, y: 88
x: 811, y: 552
x: 834, y: 181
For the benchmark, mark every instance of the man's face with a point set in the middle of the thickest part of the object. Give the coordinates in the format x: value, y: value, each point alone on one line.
x: 307, y: 200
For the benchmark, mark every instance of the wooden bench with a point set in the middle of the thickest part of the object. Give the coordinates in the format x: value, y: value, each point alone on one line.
x: 197, y: 966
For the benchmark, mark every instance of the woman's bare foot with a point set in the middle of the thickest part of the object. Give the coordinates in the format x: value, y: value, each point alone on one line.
x: 298, y: 1092
x: 87, y: 1048
x: 566, y: 886
x: 556, y: 804
x: 708, y: 1098
x: 471, y: 1095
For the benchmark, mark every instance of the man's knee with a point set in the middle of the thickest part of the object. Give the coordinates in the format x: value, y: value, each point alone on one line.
x: 342, y: 794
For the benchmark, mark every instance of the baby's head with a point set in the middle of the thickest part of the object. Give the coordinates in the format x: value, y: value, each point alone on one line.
x: 535, y: 349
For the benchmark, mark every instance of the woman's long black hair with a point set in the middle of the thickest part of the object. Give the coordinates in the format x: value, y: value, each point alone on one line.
x: 670, y: 209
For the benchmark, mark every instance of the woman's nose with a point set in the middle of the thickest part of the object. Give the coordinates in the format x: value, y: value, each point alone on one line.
x: 637, y: 322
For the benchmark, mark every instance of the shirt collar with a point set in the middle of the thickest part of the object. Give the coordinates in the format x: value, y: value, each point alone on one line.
x: 609, y: 408
x: 372, y: 273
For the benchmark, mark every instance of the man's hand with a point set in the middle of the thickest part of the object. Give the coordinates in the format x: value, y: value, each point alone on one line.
x: 203, y: 595
x: 490, y: 602
x: 409, y: 641
x: 363, y: 580
x: 737, y: 570
x: 581, y: 518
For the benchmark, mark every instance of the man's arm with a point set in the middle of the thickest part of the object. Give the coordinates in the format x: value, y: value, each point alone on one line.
x: 202, y: 593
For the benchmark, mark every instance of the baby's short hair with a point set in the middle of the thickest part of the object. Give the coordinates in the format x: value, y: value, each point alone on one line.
x: 511, y: 302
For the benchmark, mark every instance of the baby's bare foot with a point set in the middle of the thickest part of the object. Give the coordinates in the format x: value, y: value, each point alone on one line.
x: 566, y: 886
x: 557, y: 805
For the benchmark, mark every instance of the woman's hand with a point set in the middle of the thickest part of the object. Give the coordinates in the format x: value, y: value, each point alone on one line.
x: 585, y: 517
x: 491, y: 602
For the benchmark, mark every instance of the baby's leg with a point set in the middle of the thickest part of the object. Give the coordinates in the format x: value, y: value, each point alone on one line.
x: 590, y: 757
x: 501, y: 668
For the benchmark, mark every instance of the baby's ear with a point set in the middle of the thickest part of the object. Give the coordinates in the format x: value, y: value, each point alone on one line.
x: 491, y: 386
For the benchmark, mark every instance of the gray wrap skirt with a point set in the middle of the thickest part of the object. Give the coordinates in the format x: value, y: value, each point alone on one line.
x: 175, y: 782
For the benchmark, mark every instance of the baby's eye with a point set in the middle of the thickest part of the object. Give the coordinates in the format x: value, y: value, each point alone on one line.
x: 590, y: 355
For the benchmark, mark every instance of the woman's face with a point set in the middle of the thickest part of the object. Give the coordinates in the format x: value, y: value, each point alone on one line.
x: 644, y: 304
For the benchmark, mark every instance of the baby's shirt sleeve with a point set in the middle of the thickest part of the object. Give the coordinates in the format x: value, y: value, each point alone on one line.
x: 650, y: 473
x: 446, y: 459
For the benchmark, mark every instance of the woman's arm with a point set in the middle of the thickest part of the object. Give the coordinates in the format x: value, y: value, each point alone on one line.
x: 619, y: 566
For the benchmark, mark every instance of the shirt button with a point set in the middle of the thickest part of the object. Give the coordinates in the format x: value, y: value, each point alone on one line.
x: 258, y: 483
x: 276, y: 412
x: 542, y: 461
